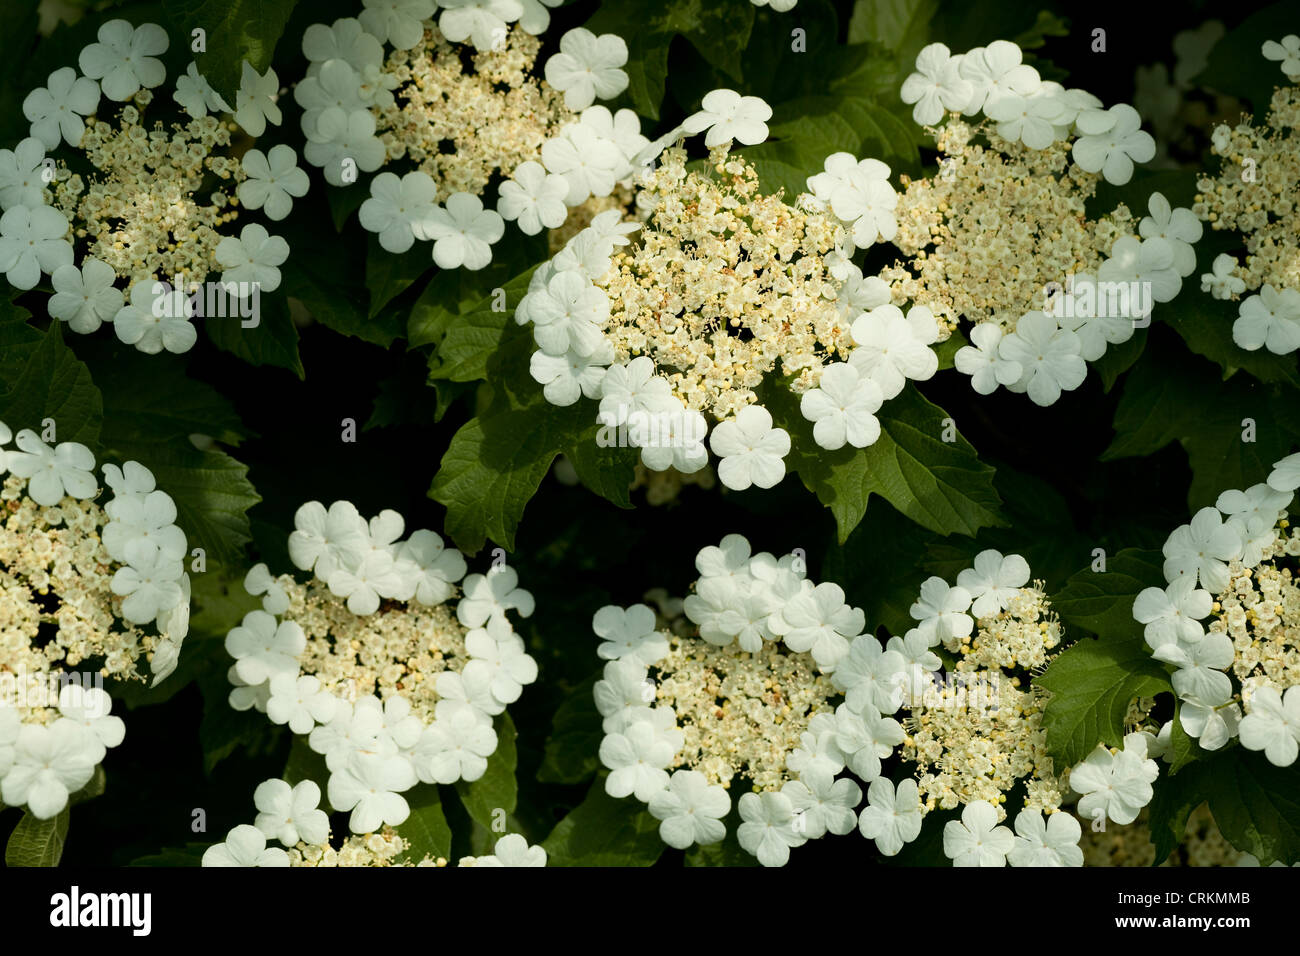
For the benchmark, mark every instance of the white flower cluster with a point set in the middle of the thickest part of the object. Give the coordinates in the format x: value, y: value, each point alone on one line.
x: 570, y: 299
x: 348, y: 98
x: 1225, y: 565
x: 1044, y: 352
x: 108, y: 574
x: 291, y: 814
x: 347, y: 674
x: 131, y: 233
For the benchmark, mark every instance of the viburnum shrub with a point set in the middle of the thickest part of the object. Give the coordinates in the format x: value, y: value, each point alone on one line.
x: 809, y: 433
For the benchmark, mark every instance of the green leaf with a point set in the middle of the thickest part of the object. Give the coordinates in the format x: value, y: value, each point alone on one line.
x: 603, y: 831
x: 471, y: 339
x: 1205, y: 323
x: 941, y: 485
x: 497, y: 789
x: 305, y: 764
x: 237, y: 30
x: 272, y: 341
x: 41, y: 379
x: 576, y: 733
x: 1236, y: 65
x: 1102, y: 601
x: 189, y: 855
x: 1182, y: 748
x: 877, y: 565
x: 390, y: 274
x: 37, y: 842
x: 900, y: 26
x: 426, y: 828
x: 1119, y: 359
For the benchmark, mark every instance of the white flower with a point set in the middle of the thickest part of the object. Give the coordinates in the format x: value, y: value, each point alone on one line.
x: 977, y: 840
x: 91, y: 709
x: 1118, y: 785
x: 124, y: 59
x: 941, y: 611
x: 1050, y: 842
x: 1027, y: 119
x: 486, y: 597
x: 892, y: 818
x: 399, y: 210
x: 335, y: 85
x: 1100, y: 316
x: 374, y: 576
x: 623, y: 129
x: 482, y: 22
x: 1200, y: 667
x: 274, y: 180
x: 691, y: 810
x: 31, y: 242
x: 1273, y: 724
x: 455, y: 747
x: 983, y: 361
x: 823, y: 804
x: 1202, y: 550
x: 341, y: 137
x: 85, y: 298
x: 253, y: 258
x: 996, y: 72
x: 624, y: 694
x: 842, y: 408
x: 263, y: 647
x: 536, y: 18
x: 535, y: 198
x: 631, y: 390
x: 255, y: 100
x: 729, y: 116
x: 892, y: 348
x: 820, y: 622
x: 1285, y: 475
x: 49, y: 765
x: 751, y: 449
x: 1287, y: 51
x: 1173, y: 615
x: 245, y: 845
x: 150, y: 583
x: 463, y: 232
x: 290, y: 814
x: 628, y: 632
x: 149, y: 517
x: 156, y: 318
x: 513, y: 850
x: 588, y: 67
x: 565, y: 378
x: 589, y: 163
x: 994, y: 581
x: 299, y: 702
x: 1212, y: 724
x: 400, y: 22
x: 636, y: 758
x: 1112, y: 151
x: 1220, y: 282
x: 677, y: 440
x: 502, y: 650
x: 865, y: 739
x: 817, y: 750
x: 196, y: 96
x: 53, y: 472
x: 58, y: 109
x: 438, y: 566
x: 1179, y: 227
x: 860, y: 195
x: 1048, y: 356
x: 371, y: 785
x: 937, y: 86
x: 23, y: 175
x: 768, y: 828
x: 1270, y: 319
x: 325, y: 541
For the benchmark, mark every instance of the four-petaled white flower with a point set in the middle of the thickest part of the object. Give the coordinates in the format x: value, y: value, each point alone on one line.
x: 513, y: 850
x: 399, y: 210
x: 1115, y: 785
x: 768, y: 829
x: 628, y: 632
x: 891, y: 347
x: 85, y: 298
x: 371, y: 785
x: 993, y: 581
x: 983, y: 361
x: 1179, y: 227
x: 463, y: 232
x: 400, y: 22
x: 196, y: 96
x: 1287, y: 52
x: 91, y: 708
x: 1222, y: 282
x: 24, y: 175
x: 455, y: 747
x: 52, y: 472
x: 871, y: 676
x: 691, y: 810
x: 1285, y: 475
x: 727, y: 115
x: 941, y: 611
x: 1173, y: 614
x: 636, y: 758
x: 976, y: 839
x: 290, y: 814
x: 50, y: 763
x: 820, y: 622
x: 255, y: 100
x: 299, y: 702
x: 156, y: 318
x: 1269, y: 319
x: 1117, y: 143
x: 125, y: 58
x: 1202, y: 549
x: 482, y: 22
x: 892, y: 817
x: 274, y: 181
x: 1273, y: 724
x: 1048, y: 356
x: 842, y: 408
x: 589, y: 163
x: 263, y: 648
x: 534, y: 198
x: 253, y: 259
x: 860, y: 196
x: 996, y: 72
x: 488, y: 597
x: 752, y: 450
x: 565, y: 378
x: 31, y: 242
x: 823, y: 804
x: 937, y: 85
x: 1050, y: 842
x: 57, y: 111
x: 588, y: 67
x: 245, y: 845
